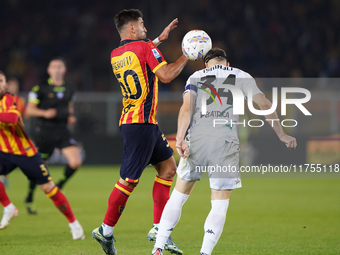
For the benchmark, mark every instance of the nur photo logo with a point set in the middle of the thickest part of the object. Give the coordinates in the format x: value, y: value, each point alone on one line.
x: 227, y: 97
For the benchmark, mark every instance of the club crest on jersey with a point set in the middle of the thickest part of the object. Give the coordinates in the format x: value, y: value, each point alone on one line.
x: 156, y: 53
x: 60, y: 94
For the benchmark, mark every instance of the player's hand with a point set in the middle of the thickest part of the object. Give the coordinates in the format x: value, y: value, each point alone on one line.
x: 50, y: 113
x: 182, y: 149
x: 289, y: 141
x: 164, y: 35
x: 71, y: 120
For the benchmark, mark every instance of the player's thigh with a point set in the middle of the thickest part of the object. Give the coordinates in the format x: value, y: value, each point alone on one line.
x: 34, y: 168
x: 72, y: 154
x: 184, y: 186
x: 6, y: 164
x: 162, y: 150
x: 138, y: 145
x: 68, y: 146
x: 167, y: 168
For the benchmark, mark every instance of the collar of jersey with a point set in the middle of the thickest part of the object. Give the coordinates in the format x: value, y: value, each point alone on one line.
x: 129, y: 41
x: 49, y: 81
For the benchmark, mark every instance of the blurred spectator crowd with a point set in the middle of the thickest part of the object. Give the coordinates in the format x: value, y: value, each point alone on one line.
x: 267, y: 38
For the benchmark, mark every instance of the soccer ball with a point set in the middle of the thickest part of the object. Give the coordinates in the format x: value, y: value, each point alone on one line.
x: 196, y: 44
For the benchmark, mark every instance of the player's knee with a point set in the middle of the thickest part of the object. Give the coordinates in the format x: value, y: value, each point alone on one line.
x: 133, y: 185
x: 169, y: 173
x: 47, y: 187
x: 128, y: 184
x: 75, y: 163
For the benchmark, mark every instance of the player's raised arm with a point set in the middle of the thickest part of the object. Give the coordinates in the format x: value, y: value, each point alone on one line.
x: 165, y: 34
x: 168, y: 72
x: 265, y: 104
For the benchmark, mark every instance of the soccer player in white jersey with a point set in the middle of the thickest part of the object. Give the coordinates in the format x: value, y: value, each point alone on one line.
x: 206, y: 145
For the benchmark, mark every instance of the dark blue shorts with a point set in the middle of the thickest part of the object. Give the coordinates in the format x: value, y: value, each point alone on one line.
x: 33, y: 167
x: 143, y: 144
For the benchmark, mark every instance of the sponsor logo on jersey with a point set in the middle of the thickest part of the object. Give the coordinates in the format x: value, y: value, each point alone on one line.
x: 156, y: 53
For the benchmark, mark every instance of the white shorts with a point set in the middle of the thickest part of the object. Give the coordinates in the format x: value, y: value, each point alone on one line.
x: 214, y: 156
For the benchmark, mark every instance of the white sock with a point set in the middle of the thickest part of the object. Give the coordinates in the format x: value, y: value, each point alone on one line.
x: 213, y: 225
x: 170, y: 217
x: 9, y: 208
x: 107, y: 230
x: 74, y: 224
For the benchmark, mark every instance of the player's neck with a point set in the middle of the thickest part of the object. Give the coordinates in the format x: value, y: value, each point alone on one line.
x: 124, y: 37
x: 57, y: 82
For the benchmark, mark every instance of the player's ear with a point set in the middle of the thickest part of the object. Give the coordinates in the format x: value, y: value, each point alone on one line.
x: 228, y: 64
x: 132, y: 27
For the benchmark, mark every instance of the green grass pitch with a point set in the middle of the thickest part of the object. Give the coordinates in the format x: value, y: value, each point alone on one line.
x: 266, y: 216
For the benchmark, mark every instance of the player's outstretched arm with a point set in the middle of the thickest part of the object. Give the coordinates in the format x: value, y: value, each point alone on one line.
x: 168, y: 72
x: 165, y: 34
x: 265, y: 104
x: 182, y: 126
x: 32, y: 110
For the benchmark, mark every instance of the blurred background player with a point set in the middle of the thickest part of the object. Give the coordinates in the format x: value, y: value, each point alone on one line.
x: 18, y: 150
x: 138, y: 64
x: 210, y: 146
x: 51, y: 102
x: 14, y: 88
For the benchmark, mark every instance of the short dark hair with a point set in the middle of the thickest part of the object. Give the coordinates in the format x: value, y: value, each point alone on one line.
x: 125, y: 16
x: 58, y: 58
x: 215, y: 53
x: 1, y: 72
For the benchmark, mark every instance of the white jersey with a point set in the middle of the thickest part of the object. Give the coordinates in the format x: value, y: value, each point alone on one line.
x: 213, y: 102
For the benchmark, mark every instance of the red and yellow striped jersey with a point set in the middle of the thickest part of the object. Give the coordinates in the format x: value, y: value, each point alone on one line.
x: 13, y: 138
x: 134, y: 64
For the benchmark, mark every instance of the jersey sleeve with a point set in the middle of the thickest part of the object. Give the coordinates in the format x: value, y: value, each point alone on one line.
x: 34, y: 96
x: 191, y: 84
x: 153, y: 56
x: 249, y: 85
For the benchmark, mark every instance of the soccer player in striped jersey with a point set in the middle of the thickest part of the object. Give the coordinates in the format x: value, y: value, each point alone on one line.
x: 18, y: 150
x: 138, y: 65
x: 13, y: 88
